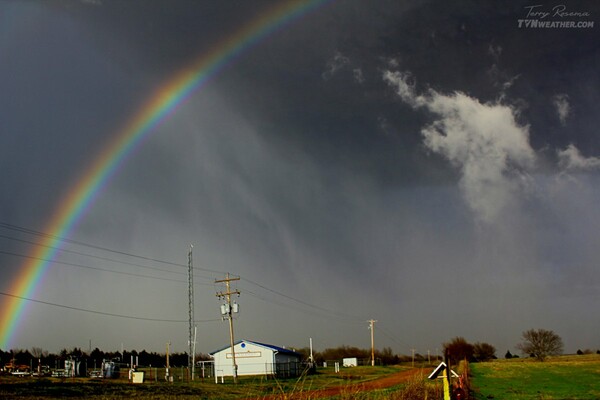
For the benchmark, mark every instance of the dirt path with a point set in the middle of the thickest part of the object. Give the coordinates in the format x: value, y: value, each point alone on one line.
x: 381, y: 383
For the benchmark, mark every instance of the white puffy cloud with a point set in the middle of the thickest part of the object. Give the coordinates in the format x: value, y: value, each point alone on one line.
x: 571, y: 159
x: 484, y: 141
x: 358, y: 75
x: 337, y: 62
x: 494, y: 51
x: 563, y: 108
x: 340, y: 62
x: 405, y: 88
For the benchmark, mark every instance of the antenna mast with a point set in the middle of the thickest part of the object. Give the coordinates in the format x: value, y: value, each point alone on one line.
x: 191, y: 334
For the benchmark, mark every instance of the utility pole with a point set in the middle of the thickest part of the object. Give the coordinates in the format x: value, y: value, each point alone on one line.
x: 413, y: 357
x: 191, y: 339
x: 167, y: 371
x: 194, y: 353
x: 372, y: 327
x: 227, y: 313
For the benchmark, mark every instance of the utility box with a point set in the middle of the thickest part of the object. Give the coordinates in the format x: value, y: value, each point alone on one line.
x: 137, y: 377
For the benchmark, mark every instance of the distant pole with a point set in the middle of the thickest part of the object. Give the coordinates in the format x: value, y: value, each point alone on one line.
x: 167, y: 374
x: 413, y: 357
x: 428, y: 357
x: 311, y: 351
x: 194, y: 355
x: 191, y: 312
x: 229, y: 309
x: 372, y: 327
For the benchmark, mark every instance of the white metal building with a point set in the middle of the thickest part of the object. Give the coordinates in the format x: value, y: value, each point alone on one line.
x: 254, y: 358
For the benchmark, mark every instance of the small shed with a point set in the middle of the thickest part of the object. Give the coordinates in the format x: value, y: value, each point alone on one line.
x: 253, y: 358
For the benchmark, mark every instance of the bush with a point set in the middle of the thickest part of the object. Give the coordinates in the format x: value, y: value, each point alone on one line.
x: 459, y: 349
x: 484, y: 351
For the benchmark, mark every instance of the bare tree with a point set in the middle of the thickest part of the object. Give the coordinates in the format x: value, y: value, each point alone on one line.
x: 541, y: 343
x: 38, y: 352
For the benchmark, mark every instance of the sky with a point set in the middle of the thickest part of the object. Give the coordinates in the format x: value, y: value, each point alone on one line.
x: 431, y: 165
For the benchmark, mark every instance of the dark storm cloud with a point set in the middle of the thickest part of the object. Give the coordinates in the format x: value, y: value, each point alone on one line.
x: 347, y: 161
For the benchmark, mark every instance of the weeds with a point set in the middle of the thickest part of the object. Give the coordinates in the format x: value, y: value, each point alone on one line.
x: 363, y: 384
x: 414, y: 389
x: 418, y: 389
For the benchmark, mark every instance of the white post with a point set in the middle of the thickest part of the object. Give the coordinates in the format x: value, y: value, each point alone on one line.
x: 194, y: 354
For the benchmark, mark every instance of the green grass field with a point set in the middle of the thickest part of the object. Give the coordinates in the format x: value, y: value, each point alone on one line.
x: 564, y: 377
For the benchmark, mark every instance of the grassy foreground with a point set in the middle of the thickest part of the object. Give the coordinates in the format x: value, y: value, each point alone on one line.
x: 248, y: 387
x: 563, y: 377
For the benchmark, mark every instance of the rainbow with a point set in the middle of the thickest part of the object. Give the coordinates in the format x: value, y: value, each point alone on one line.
x: 163, y: 103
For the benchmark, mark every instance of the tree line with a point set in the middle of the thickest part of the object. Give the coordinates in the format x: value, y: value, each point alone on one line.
x: 145, y: 358
x: 95, y: 357
x: 536, y: 343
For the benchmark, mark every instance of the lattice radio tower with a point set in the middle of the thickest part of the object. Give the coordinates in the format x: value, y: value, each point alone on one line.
x: 191, y: 338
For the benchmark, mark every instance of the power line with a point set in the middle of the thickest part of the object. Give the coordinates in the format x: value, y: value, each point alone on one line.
x: 303, y: 302
x: 102, y: 312
x: 324, y: 312
x: 89, y: 255
x: 311, y: 312
x: 79, y: 243
x: 96, y: 268
x: 392, y: 337
x: 63, y: 250
x: 340, y: 315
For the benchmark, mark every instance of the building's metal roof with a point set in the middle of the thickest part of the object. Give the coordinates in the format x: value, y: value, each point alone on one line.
x: 277, y: 349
